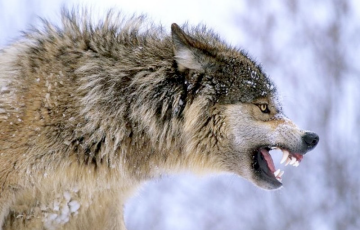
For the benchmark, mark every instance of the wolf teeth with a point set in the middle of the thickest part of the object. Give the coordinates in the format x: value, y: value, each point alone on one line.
x: 277, y: 172
x: 293, y: 160
x: 281, y: 173
x: 285, y: 156
x: 287, y: 161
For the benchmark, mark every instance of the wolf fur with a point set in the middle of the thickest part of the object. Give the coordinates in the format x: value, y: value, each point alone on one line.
x: 90, y: 111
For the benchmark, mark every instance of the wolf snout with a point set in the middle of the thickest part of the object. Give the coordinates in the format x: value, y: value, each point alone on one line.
x: 310, y: 139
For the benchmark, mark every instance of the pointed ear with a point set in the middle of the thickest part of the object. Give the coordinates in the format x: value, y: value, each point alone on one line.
x: 189, y: 53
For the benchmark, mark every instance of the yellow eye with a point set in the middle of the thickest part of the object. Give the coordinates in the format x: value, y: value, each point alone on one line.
x: 264, y: 108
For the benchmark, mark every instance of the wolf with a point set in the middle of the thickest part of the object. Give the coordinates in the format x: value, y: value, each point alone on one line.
x: 89, y: 111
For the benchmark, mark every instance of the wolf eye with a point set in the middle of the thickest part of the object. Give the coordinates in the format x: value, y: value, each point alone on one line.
x: 264, y: 108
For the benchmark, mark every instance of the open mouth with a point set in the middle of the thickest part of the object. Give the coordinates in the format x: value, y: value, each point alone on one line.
x: 264, y: 166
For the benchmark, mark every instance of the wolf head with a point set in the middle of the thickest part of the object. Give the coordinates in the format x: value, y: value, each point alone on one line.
x: 234, y: 118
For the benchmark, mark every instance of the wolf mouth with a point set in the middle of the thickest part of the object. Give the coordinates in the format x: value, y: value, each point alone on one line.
x: 264, y: 166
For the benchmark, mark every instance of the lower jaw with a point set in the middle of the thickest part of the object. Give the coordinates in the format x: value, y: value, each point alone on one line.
x: 270, y: 182
x: 265, y: 174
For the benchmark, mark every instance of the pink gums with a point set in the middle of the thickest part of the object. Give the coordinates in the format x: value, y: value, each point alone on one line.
x: 268, y: 159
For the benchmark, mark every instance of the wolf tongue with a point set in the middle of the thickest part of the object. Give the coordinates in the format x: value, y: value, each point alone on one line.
x: 268, y: 159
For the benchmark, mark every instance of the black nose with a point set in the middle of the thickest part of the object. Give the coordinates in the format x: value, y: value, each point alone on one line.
x: 310, y: 139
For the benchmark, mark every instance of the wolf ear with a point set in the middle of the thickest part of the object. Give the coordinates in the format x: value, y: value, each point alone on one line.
x: 188, y: 52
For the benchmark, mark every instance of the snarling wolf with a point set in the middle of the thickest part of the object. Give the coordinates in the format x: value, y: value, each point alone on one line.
x: 90, y: 111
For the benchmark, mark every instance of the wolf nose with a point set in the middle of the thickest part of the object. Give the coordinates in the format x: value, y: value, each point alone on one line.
x: 310, y: 139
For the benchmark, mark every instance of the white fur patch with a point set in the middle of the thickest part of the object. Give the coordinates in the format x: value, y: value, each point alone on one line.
x: 186, y: 59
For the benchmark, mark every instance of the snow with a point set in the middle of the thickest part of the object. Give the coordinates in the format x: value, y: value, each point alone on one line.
x: 4, y: 89
x: 67, y: 196
x: 74, y: 206
x: 62, y: 209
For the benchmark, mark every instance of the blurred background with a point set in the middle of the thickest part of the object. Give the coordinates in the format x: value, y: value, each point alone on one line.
x: 311, y: 49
